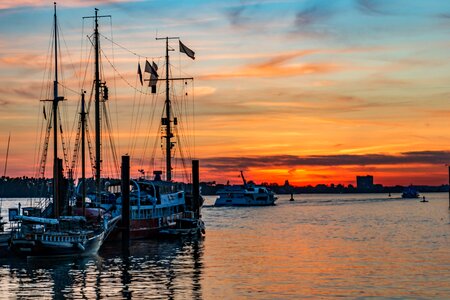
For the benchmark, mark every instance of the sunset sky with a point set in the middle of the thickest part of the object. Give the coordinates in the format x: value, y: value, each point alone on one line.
x: 307, y: 91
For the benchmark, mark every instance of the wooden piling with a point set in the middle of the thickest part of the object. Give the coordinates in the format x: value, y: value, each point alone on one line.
x: 196, y: 187
x: 125, y: 189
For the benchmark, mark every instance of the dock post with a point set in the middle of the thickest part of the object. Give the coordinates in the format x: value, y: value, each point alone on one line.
x: 196, y: 187
x: 292, y: 196
x: 125, y: 189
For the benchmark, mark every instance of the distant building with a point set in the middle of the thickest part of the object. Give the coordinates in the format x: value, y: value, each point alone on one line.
x: 364, y: 183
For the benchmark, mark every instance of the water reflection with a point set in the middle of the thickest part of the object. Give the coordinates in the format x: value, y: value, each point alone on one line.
x: 153, y: 269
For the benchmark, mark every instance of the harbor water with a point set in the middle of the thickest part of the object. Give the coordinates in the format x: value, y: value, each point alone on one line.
x: 318, y: 246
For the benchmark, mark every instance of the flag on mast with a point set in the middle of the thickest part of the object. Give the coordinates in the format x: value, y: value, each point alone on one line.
x: 186, y: 50
x: 140, y: 74
x: 151, y: 68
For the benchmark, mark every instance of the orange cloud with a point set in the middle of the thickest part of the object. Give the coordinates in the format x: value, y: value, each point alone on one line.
x: 278, y: 66
x: 31, y: 61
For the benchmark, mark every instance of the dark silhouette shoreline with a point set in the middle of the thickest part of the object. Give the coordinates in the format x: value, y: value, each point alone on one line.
x: 211, y: 189
x: 27, y: 187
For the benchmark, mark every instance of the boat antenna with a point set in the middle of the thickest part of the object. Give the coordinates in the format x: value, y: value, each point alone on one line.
x: 243, y: 178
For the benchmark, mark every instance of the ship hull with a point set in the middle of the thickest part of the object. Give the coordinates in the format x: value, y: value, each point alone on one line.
x: 29, y: 247
x: 4, y: 244
x: 243, y: 201
x: 139, y: 230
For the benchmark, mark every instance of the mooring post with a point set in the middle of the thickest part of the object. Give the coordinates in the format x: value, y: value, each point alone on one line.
x: 125, y: 188
x: 292, y: 196
x: 196, y: 187
x: 448, y: 186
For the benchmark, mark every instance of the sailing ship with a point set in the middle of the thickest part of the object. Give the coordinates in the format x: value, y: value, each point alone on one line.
x: 50, y: 231
x: 160, y: 207
x: 245, y: 195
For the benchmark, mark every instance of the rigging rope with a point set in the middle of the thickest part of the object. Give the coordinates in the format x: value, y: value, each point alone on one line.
x: 44, y: 89
x: 115, y: 83
x: 133, y: 137
x: 120, y: 75
x: 128, y: 50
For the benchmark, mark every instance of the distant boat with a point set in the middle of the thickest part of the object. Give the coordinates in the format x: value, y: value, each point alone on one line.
x: 410, y: 193
x: 245, y: 195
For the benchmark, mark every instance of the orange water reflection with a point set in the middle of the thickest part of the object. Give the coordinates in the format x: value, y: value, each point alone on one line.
x: 319, y: 246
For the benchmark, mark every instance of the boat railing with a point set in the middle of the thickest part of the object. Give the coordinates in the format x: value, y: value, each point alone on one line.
x: 138, y: 193
x: 49, y: 237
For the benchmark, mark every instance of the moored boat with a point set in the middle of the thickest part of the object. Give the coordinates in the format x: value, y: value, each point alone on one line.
x: 65, y: 236
x: 49, y: 229
x: 188, y: 226
x: 157, y: 205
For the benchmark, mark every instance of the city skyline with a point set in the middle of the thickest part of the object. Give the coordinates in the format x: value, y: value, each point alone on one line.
x: 306, y: 91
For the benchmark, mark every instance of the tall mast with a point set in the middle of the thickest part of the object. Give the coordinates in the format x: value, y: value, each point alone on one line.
x: 55, y: 124
x: 168, y: 127
x: 167, y: 122
x: 83, y: 153
x: 97, y: 83
x: 98, y: 159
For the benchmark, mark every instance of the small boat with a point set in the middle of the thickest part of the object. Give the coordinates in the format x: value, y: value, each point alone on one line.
x: 186, y: 226
x: 246, y: 195
x: 410, y: 193
x: 65, y: 236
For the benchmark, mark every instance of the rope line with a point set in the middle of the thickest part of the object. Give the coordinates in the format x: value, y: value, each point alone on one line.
x: 128, y: 50
x: 121, y: 76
